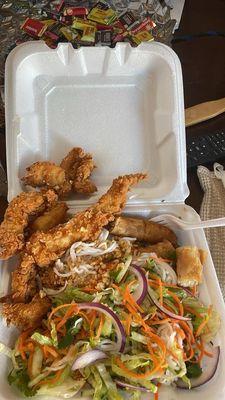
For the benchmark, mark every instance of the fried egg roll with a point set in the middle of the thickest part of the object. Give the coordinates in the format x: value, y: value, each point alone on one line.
x: 142, y: 229
x: 163, y: 249
x: 190, y: 262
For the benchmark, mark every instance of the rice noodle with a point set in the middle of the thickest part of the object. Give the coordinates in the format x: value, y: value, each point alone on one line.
x: 78, y: 249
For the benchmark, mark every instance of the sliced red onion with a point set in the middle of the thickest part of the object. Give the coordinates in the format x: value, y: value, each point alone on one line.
x: 163, y: 309
x: 208, y: 373
x: 132, y: 387
x: 107, y: 345
x: 142, y: 289
x: 121, y: 335
x: 88, y: 358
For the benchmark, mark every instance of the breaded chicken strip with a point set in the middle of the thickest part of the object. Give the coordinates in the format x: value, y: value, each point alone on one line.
x: 24, y: 284
x: 48, y: 247
x: 49, y: 175
x: 28, y: 315
x: 78, y: 167
x: 17, y: 216
x: 72, y: 174
x: 54, y: 216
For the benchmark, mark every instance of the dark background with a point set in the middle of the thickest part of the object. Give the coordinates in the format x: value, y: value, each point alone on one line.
x: 203, y: 65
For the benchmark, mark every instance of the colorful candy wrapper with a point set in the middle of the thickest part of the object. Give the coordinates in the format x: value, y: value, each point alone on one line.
x: 88, y: 34
x: 69, y: 34
x: 75, y: 11
x: 127, y: 19
x: 142, y: 36
x: 103, y: 38
x: 147, y: 24
x: 34, y: 27
x: 102, y: 14
x: 80, y: 24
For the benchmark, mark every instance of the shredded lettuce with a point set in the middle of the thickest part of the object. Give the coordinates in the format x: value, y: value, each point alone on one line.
x: 72, y: 294
x: 42, y: 339
x: 37, y: 362
x: 73, y: 326
x: 95, y: 380
x: 69, y: 388
x: 54, y: 334
x: 122, y: 269
x: 20, y: 379
x: 5, y: 350
x: 112, y: 391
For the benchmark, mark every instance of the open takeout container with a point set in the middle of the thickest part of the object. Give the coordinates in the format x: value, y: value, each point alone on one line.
x: 125, y: 106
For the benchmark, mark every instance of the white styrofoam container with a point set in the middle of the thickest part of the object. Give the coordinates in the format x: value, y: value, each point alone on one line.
x: 124, y: 105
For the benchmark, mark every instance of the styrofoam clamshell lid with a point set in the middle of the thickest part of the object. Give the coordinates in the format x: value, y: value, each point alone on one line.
x: 124, y: 105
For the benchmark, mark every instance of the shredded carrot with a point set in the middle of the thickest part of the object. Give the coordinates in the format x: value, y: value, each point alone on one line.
x: 67, y: 315
x: 160, y: 291
x: 187, y: 328
x: 177, y: 301
x: 135, y: 374
x: 21, y: 343
x: 191, y: 354
x: 201, y: 347
x: 99, y: 330
x: 156, y: 395
x: 92, y: 321
x: 50, y: 350
x: 127, y: 324
x: 202, y: 325
x: 159, y: 259
x: 60, y: 307
x: 53, y: 380
x: 192, y: 311
x: 159, y: 321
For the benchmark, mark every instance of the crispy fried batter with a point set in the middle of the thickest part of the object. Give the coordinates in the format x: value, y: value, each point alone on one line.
x: 78, y: 167
x: 20, y: 210
x: 28, y: 315
x: 86, y: 225
x: 23, y: 284
x: 113, y: 201
x: 72, y: 174
x: 54, y: 216
x: 47, y: 174
x: 163, y: 249
x: 142, y: 229
x: 85, y: 187
x: 190, y: 262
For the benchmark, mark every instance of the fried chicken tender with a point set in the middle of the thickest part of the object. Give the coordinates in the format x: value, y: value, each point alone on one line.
x: 51, y: 218
x: 17, y: 216
x: 28, y: 315
x: 78, y: 167
x: 24, y: 284
x: 142, y: 229
x: 48, y: 247
x: 47, y: 174
x: 71, y: 175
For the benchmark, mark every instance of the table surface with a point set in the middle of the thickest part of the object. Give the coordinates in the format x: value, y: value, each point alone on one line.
x: 203, y: 65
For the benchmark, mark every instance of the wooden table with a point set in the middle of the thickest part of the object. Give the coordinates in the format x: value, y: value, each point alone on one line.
x: 203, y: 64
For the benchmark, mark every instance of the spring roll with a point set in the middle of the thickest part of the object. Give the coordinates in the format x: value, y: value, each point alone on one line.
x: 163, y: 249
x: 190, y: 262
x: 142, y: 229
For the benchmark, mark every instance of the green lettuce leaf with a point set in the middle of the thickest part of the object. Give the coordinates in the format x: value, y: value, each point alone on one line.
x: 20, y: 379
